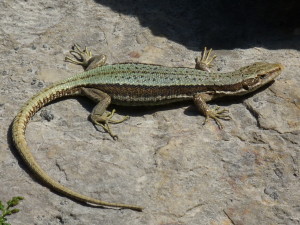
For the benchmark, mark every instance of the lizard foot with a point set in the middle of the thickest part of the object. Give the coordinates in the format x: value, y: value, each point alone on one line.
x: 85, y: 58
x: 82, y: 56
x: 204, y: 62
x: 217, y: 114
x: 105, y: 120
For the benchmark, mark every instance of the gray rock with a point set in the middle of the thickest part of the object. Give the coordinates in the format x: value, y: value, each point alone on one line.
x: 165, y: 160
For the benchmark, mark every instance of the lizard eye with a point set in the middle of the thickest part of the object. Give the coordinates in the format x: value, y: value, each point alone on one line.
x: 245, y: 86
x: 263, y: 76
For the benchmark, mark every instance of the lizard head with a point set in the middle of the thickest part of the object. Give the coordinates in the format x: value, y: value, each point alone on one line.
x: 259, y: 74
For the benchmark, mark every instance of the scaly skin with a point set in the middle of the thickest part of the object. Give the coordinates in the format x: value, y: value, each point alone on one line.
x: 137, y: 84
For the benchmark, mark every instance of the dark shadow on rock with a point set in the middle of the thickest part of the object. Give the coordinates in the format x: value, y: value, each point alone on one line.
x: 220, y: 24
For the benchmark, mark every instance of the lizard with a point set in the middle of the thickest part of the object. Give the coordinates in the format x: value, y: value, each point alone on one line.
x: 137, y: 84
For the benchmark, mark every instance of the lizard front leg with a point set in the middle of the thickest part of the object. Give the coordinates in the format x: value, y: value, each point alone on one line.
x: 204, y: 62
x: 99, y: 116
x: 216, y: 113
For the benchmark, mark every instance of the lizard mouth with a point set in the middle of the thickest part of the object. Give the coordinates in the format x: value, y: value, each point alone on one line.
x: 271, y: 74
x: 263, y: 78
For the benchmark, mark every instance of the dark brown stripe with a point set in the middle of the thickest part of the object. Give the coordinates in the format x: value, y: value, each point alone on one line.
x: 136, y: 91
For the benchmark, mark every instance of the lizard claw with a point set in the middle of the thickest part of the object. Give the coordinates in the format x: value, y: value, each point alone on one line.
x: 217, y: 114
x: 85, y: 58
x: 105, y: 120
x: 204, y: 62
x: 82, y: 56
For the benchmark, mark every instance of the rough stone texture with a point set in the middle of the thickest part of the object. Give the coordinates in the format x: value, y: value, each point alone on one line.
x: 165, y: 160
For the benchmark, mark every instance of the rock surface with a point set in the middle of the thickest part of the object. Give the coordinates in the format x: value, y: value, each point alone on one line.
x: 165, y: 160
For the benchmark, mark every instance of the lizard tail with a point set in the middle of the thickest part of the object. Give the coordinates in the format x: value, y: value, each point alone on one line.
x: 18, y: 134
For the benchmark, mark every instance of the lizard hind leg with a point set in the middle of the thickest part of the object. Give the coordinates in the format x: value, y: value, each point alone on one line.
x: 85, y: 58
x: 104, y: 120
x: 99, y: 116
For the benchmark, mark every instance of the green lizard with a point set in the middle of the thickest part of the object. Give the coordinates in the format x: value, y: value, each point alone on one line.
x: 134, y: 84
